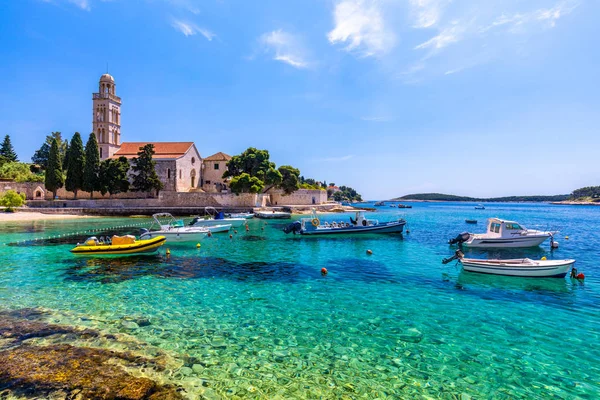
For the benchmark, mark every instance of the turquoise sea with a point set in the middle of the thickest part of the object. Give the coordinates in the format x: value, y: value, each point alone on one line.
x: 252, y: 316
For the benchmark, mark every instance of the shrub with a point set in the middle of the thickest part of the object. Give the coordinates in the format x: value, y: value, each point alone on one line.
x: 12, y: 199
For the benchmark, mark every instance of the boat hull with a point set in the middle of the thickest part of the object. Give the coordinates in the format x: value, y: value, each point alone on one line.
x: 518, y: 241
x: 390, y: 227
x: 537, y: 269
x: 271, y: 215
x: 176, y: 236
x: 139, y: 247
x: 219, y: 228
x: 207, y: 223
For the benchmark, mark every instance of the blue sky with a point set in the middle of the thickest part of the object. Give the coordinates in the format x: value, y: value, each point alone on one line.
x: 391, y: 97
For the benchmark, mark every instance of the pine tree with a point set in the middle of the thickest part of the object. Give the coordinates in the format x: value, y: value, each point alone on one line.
x: 145, y: 178
x: 91, y: 167
x: 114, y: 176
x: 7, y: 150
x: 54, y: 179
x: 75, y: 165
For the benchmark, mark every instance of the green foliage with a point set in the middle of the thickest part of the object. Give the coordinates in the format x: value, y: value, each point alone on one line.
x: 11, y: 199
x: 75, y: 166
x: 54, y: 179
x: 347, y: 193
x: 19, y: 172
x: 244, y: 183
x: 254, y: 162
x: 145, y: 178
x: 309, y: 183
x: 592, y: 192
x: 506, y: 199
x: 91, y: 169
x: 42, y: 155
x: 7, y: 150
x: 114, y: 176
x: 289, y: 182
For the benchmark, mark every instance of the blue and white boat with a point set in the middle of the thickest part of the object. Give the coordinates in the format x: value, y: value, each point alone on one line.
x: 359, y: 224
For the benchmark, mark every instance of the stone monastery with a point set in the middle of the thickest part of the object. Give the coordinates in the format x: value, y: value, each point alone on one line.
x: 178, y: 164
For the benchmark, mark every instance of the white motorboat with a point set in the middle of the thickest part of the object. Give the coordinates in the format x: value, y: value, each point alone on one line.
x: 480, y: 207
x: 173, y: 230
x: 523, y: 267
x: 240, y: 215
x: 503, y: 234
x: 219, y: 228
x: 313, y: 226
x: 273, y: 214
x: 214, y: 218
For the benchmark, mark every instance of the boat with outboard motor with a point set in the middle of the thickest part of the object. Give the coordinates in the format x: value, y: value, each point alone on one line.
x: 118, y: 245
x: 360, y: 224
x: 173, y: 230
x: 523, y: 267
x: 214, y: 217
x: 245, y: 215
x: 480, y: 207
x: 502, y: 233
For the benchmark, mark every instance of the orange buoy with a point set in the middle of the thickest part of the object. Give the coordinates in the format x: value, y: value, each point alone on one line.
x: 209, y: 234
x: 580, y: 276
x: 230, y: 236
x: 324, y: 271
x: 369, y: 252
x: 235, y: 231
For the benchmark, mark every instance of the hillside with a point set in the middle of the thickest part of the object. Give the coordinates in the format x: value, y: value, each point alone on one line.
x: 450, y: 197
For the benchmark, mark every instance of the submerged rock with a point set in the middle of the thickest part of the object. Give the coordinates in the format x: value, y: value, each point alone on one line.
x: 43, y: 371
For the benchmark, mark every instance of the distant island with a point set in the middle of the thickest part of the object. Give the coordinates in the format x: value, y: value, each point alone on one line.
x: 507, y: 199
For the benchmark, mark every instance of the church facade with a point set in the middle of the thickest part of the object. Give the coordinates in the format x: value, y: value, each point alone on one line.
x: 178, y: 164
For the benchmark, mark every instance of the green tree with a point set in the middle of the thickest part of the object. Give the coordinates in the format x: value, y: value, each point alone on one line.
x: 114, y: 176
x: 11, y: 199
x: 19, y: 172
x: 91, y: 169
x: 7, y: 150
x: 75, y: 165
x: 244, y: 183
x: 252, y: 161
x: 289, y: 182
x: 41, y: 155
x: 144, y: 167
x: 54, y: 179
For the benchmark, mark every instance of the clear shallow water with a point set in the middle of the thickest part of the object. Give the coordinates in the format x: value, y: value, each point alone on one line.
x: 253, y: 317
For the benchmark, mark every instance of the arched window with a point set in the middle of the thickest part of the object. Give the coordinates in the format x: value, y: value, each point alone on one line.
x: 168, y: 173
x: 193, y: 160
x: 180, y: 174
x: 100, y: 152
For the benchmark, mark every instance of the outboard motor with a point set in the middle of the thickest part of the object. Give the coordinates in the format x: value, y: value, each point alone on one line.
x: 457, y: 255
x: 460, y: 239
x: 294, y: 227
x: 196, y: 219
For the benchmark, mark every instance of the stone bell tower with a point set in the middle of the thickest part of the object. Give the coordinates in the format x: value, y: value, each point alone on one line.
x: 106, y: 120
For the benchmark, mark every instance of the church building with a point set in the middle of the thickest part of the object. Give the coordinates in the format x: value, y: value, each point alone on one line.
x: 178, y: 164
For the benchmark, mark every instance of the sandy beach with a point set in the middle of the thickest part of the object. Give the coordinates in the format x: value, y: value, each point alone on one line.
x: 35, y: 216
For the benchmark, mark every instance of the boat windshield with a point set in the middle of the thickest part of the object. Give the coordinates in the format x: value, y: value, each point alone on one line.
x: 495, y: 227
x: 515, y: 227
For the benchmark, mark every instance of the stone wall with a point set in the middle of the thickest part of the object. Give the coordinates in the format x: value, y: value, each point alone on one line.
x: 299, y: 197
x: 207, y: 199
x: 63, y: 194
x: 32, y: 190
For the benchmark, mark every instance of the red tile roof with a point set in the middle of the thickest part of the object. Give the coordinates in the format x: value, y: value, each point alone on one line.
x: 162, y: 150
x: 220, y: 156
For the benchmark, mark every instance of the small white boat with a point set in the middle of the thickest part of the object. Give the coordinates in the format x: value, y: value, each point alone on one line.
x: 240, y: 215
x: 523, y: 267
x: 273, y: 214
x: 519, y: 267
x: 479, y: 207
x: 219, y: 228
x: 313, y: 226
x: 503, y: 234
x: 214, y: 218
x: 173, y: 230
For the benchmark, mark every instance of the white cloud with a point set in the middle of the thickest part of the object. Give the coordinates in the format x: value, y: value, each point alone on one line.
x: 444, y: 38
x: 190, y: 29
x: 517, y: 22
x: 359, y: 24
x: 285, y: 47
x: 83, y: 4
x: 427, y: 12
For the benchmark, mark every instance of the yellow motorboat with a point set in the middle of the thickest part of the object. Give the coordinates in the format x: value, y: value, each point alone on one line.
x: 118, y: 245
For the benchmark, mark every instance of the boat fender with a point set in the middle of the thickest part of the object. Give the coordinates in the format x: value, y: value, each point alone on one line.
x: 315, y: 222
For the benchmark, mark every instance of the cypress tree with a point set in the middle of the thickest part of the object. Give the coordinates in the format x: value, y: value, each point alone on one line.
x: 145, y: 178
x: 54, y: 173
x: 75, y: 165
x: 91, y: 167
x: 7, y: 150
